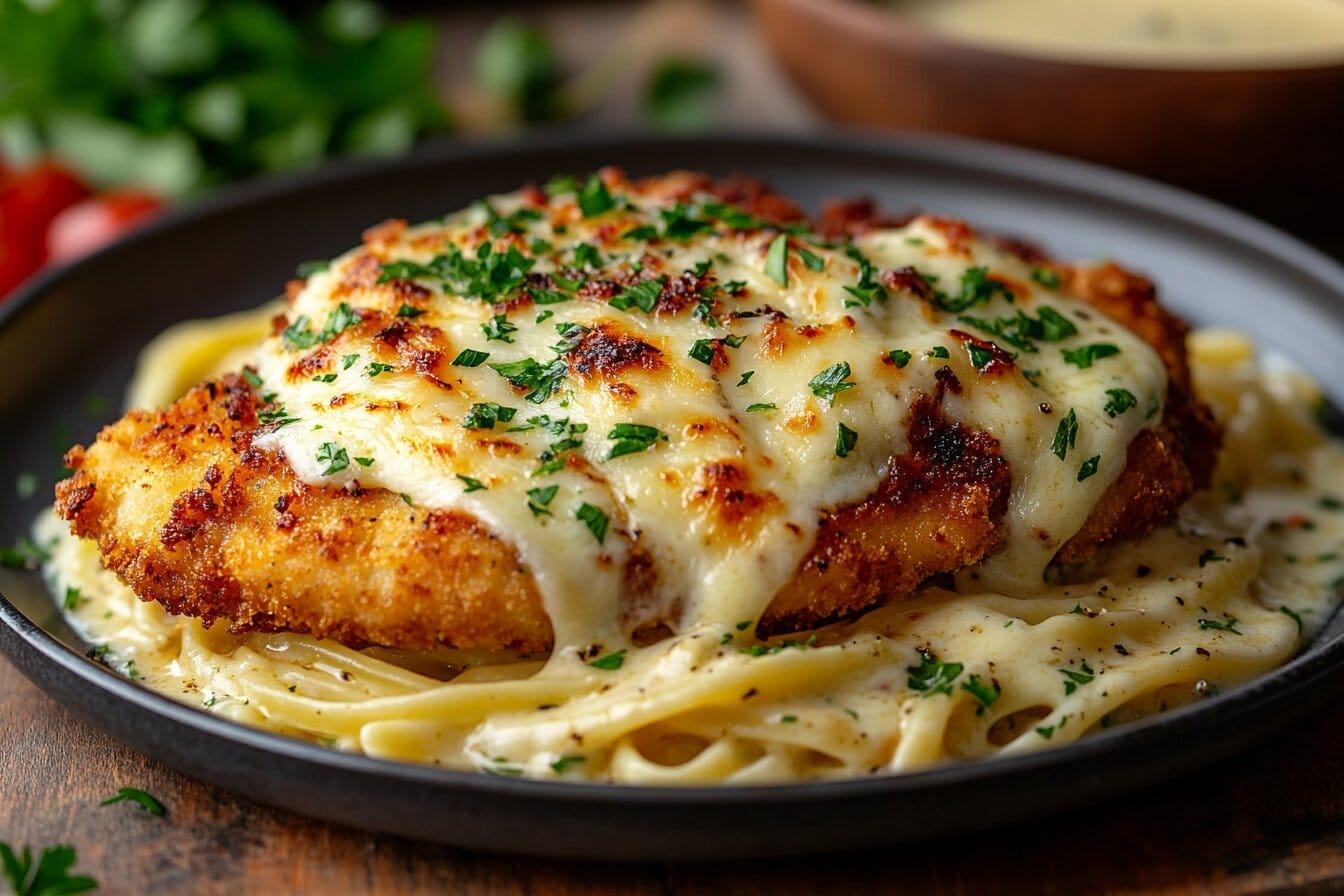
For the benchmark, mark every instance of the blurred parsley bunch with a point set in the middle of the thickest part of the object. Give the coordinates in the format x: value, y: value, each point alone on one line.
x: 180, y: 95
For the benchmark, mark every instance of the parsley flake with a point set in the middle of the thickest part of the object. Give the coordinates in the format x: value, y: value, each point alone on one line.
x: 632, y: 438
x: 486, y: 415
x: 335, y: 458
x: 470, y: 357
x: 611, y: 662
x: 1118, y: 401
x: 594, y: 519
x: 831, y: 382
x: 1074, y: 678
x: 1226, y: 624
x: 139, y: 797
x: 472, y: 485
x: 1083, y: 357
x: 931, y: 676
x: 539, y: 499
x: 900, y: 357
x: 1089, y: 467
x: 777, y: 260
x: 1066, y: 435
x: 984, y: 692
x: 845, y: 440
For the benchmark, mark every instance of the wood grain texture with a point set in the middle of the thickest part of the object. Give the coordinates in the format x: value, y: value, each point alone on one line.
x: 1271, y: 821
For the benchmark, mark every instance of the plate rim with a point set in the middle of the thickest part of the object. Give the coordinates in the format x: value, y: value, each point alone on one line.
x: 27, y: 641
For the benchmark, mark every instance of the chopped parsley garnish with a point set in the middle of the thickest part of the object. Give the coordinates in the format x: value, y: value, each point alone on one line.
x: 984, y: 692
x: 1066, y: 435
x: 762, y: 406
x: 473, y: 485
x: 349, y: 361
x: 470, y: 357
x: 812, y: 261
x: 409, y: 311
x: 298, y: 335
x: 680, y: 224
x: 1089, y: 467
x: 1226, y: 624
x: 548, y: 296
x: 611, y: 662
x: 845, y: 440
x: 1048, y: 278
x: 486, y: 415
x: 540, y: 380
x: 560, y: 765
x: 1330, y: 502
x: 48, y: 876
x: 939, y: 351
x: 704, y: 350
x: 1074, y: 678
x: 931, y: 676
x: 325, y: 378
x: 335, y: 458
x: 498, y: 329
x: 746, y: 377
x: 642, y: 295
x: 777, y: 260
x: 1084, y: 356
x: 642, y: 232
x: 254, y: 379
x: 831, y: 382
x: 632, y: 438
x: 867, y: 289
x: 1046, y: 731
x: 594, y: 198
x: 73, y: 598
x: 594, y: 519
x: 376, y: 368
x: 487, y: 275
x: 1022, y: 330
x: 587, y: 256
x: 137, y: 796
x: 539, y: 499
x: 364, y: 461
x: 1210, y: 556
x: 513, y: 222
x: 1293, y: 616
x: 981, y: 357
x: 899, y: 356
x: 976, y: 289
x: 307, y: 269
x: 1118, y: 401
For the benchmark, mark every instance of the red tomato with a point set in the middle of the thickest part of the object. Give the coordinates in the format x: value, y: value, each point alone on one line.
x: 93, y: 223
x: 29, y: 200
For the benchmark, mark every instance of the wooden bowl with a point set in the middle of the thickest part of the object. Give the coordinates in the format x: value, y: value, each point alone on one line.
x: 1271, y: 137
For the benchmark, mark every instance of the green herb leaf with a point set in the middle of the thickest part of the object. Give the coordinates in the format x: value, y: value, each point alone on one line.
x: 746, y: 378
x: 486, y: 415
x: 976, y: 289
x: 473, y: 485
x: 777, y: 260
x: 632, y: 438
x: 762, y: 406
x: 335, y: 458
x: 307, y: 269
x: 1084, y: 356
x: 1088, y: 468
x: 1073, y: 678
x: 539, y: 499
x: 1047, y: 277
x: 409, y: 311
x: 1226, y: 624
x: 900, y: 357
x: 931, y: 676
x: 611, y: 662
x: 499, y: 329
x: 643, y: 295
x: 1118, y: 401
x: 845, y: 440
x: 540, y: 380
x: 679, y: 94
x: 48, y: 876
x: 562, y: 764
x: 812, y: 261
x: 831, y: 382
x: 594, y: 199
x: 1066, y: 435
x: 139, y: 797
x: 984, y: 692
x: 594, y: 519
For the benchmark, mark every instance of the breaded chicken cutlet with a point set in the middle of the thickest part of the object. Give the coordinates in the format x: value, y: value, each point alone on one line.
x: 669, y: 377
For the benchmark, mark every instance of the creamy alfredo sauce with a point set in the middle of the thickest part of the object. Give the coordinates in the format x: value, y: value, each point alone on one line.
x: 808, y: 402
x: 1197, y: 33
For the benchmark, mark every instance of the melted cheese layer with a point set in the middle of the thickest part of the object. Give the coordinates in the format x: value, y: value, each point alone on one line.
x: 767, y: 330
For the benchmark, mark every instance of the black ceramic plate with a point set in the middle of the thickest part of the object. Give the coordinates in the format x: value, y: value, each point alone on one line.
x: 68, y: 343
